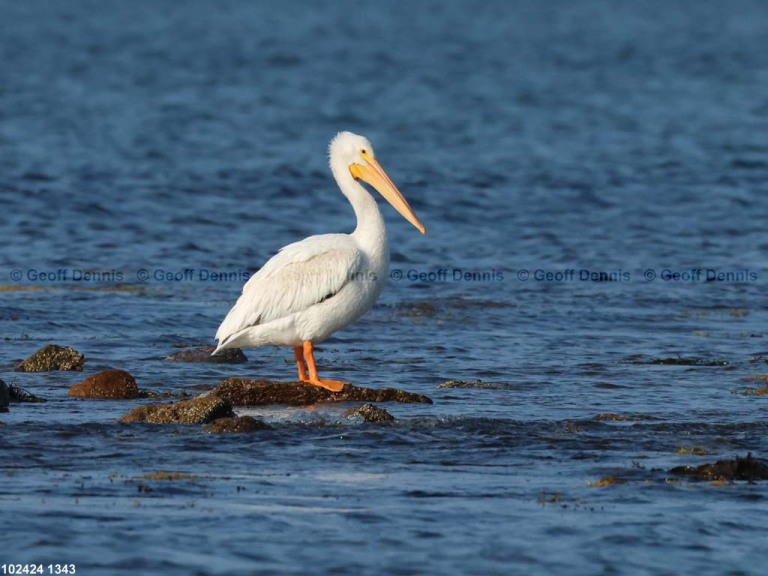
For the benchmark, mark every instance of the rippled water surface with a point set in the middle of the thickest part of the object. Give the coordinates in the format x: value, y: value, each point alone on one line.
x: 547, y: 147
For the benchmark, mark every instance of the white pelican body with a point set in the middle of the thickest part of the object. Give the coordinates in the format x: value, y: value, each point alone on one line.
x: 312, y: 288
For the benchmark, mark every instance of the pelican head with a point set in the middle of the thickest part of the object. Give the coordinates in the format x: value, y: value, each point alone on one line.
x: 356, y: 153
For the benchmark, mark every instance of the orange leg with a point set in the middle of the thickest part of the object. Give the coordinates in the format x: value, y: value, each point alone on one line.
x: 314, y: 379
x: 298, y: 353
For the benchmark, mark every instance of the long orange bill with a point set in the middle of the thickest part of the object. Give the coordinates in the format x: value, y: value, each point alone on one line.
x: 373, y: 174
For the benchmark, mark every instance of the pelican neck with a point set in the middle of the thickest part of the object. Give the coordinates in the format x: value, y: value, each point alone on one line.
x: 370, y: 231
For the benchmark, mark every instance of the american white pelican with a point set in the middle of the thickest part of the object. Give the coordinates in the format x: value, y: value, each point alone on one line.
x: 312, y: 288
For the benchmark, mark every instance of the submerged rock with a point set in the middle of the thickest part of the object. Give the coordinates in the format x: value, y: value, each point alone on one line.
x: 607, y: 481
x: 477, y: 384
x: 762, y: 391
x: 748, y: 468
x: 21, y: 396
x: 611, y: 417
x: 204, y: 354
x: 679, y: 361
x: 370, y: 413
x: 236, y: 425
x: 107, y: 385
x: 52, y: 357
x: 200, y: 410
x: 244, y: 392
x: 416, y: 309
x: 5, y: 397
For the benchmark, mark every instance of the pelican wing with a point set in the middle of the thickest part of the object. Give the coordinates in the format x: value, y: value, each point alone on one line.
x: 301, y: 275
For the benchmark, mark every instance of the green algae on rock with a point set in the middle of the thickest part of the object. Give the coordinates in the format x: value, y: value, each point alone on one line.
x: 200, y: 410
x: 236, y: 425
x: 370, y: 413
x: 244, y: 392
x: 205, y: 354
x: 107, y: 385
x: 52, y: 357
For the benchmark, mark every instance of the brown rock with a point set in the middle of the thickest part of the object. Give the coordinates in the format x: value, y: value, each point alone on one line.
x: 52, y: 357
x: 748, y: 468
x: 370, y: 413
x: 236, y: 424
x: 199, y: 410
x: 244, y: 392
x: 109, y: 384
x: 204, y: 354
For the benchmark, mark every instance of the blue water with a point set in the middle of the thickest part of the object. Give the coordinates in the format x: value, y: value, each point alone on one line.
x: 532, y: 139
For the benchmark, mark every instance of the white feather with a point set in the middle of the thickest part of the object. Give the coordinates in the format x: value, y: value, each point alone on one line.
x: 315, y: 287
x: 299, y: 276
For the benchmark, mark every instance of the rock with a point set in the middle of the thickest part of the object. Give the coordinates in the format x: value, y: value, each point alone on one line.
x: 52, y: 357
x: 748, y: 468
x: 200, y: 410
x: 227, y: 356
x: 762, y: 391
x: 416, y: 309
x: 611, y: 417
x: 5, y: 397
x: 607, y: 481
x: 679, y: 361
x: 244, y: 392
x: 236, y: 424
x: 370, y: 413
x: 108, y: 385
x: 21, y: 396
x: 477, y: 384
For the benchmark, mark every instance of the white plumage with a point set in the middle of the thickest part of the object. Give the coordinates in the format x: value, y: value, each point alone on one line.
x: 314, y: 287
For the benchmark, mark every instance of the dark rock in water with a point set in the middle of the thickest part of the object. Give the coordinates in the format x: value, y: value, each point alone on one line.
x: 477, y: 384
x: 5, y: 397
x: 679, y: 361
x: 200, y: 410
x: 227, y: 356
x: 21, y: 396
x: 748, y: 468
x: 370, y: 413
x: 243, y: 392
x: 52, y: 357
x: 236, y: 425
x: 609, y: 416
x: 416, y: 309
x: 108, y: 385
